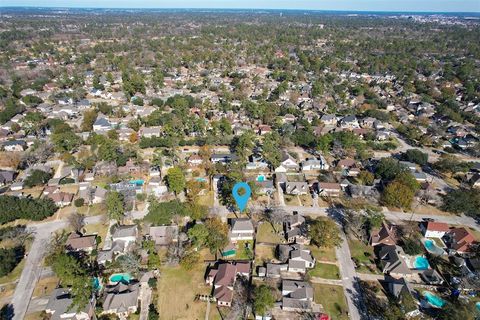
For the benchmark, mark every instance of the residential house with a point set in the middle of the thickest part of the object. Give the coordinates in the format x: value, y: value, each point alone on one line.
x: 386, y: 235
x: 223, y: 158
x: 150, y: 132
x: 195, y: 160
x: 121, y: 299
x: 297, y: 257
x: 289, y: 162
x: 392, y: 259
x: 6, y: 177
x: 105, y: 168
x: 241, y: 229
x: 223, y: 279
x: 459, y: 240
x: 15, y: 145
x: 125, y: 234
x: 329, y: 189
x: 315, y: 164
x: 329, y: 119
x: 59, y: 307
x: 163, y: 235
x: 79, y: 242
x: 349, y: 122
x: 296, y: 188
x: 433, y: 229
x: 297, y: 296
x: 101, y: 124
x: 61, y: 198
x: 295, y: 229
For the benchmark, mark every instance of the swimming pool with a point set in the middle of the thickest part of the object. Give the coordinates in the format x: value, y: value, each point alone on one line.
x: 421, y: 263
x: 121, y: 277
x: 137, y: 182
x: 434, y: 300
x: 260, y: 178
x: 200, y: 179
x: 432, y: 247
x: 96, y: 283
x: 478, y: 306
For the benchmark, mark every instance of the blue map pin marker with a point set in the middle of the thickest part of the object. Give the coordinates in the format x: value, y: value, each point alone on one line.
x: 241, y: 200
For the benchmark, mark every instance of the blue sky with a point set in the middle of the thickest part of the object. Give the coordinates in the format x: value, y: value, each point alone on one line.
x: 354, y: 5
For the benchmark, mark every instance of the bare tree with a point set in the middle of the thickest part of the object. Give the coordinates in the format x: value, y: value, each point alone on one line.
x: 76, y: 221
x: 242, y: 302
x: 275, y: 216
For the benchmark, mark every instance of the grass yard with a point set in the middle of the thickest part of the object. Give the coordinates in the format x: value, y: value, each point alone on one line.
x: 291, y: 200
x: 306, y: 200
x: 325, y: 271
x: 263, y: 254
x: 45, y: 286
x: 178, y: 287
x: 98, y: 228
x: 244, y: 250
x: 265, y: 233
x: 206, y: 199
x: 362, y: 253
x: 7, y: 290
x: 332, y: 299
x: 323, y: 254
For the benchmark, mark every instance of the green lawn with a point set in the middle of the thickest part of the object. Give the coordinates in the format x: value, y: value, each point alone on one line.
x: 332, y: 299
x: 265, y: 233
x: 323, y: 254
x: 325, y: 271
x: 244, y: 253
x: 364, y: 255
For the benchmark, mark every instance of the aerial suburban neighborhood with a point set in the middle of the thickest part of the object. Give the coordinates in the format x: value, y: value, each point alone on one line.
x: 124, y: 132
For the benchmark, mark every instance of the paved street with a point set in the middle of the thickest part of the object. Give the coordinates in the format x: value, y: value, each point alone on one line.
x: 33, y: 263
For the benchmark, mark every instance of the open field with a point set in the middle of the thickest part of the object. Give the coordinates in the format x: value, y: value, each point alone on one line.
x: 178, y: 287
x: 266, y: 233
x: 325, y: 271
x: 263, y: 254
x: 332, y: 299
x: 323, y: 254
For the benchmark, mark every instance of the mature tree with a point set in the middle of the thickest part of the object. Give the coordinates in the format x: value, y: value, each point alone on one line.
x: 199, y: 235
x: 263, y: 299
x: 176, y: 180
x: 398, y: 195
x: 115, y: 205
x: 243, y: 144
x: 217, y: 234
x: 389, y: 168
x: 160, y: 213
x: 416, y: 156
x: 10, y: 258
x: 37, y: 178
x: 89, y: 118
x: 271, y: 149
x: 190, y: 259
x: 465, y: 201
x: 324, y: 233
x: 366, y: 177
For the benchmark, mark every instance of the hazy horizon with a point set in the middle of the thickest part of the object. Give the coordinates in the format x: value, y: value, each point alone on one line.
x: 427, y: 6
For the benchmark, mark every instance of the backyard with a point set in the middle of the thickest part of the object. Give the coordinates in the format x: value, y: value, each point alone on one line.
x: 323, y: 254
x: 332, y: 299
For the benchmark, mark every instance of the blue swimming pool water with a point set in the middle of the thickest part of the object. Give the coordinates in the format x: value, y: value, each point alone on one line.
x: 200, y: 179
x: 434, y: 300
x: 121, y: 277
x: 432, y: 247
x: 421, y: 263
x: 478, y: 306
x: 138, y: 182
x: 260, y: 178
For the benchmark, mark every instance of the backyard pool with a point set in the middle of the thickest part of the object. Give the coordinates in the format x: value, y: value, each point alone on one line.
x: 121, y: 277
x: 421, y: 263
x: 200, y: 179
x: 433, y: 300
x: 478, y: 306
x: 137, y: 182
x: 432, y: 247
x: 260, y: 178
